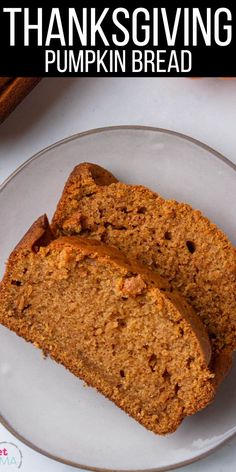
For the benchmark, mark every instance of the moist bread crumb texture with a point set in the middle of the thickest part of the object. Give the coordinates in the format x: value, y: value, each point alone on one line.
x: 170, y: 237
x: 111, y: 322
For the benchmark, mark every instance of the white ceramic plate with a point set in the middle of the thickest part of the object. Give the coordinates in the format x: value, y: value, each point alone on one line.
x: 42, y: 403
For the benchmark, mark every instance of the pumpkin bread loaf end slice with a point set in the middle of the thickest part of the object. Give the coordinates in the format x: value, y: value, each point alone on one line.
x: 111, y: 322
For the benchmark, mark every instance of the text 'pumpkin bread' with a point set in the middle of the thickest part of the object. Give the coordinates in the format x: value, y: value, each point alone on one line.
x: 170, y: 237
x: 112, y: 323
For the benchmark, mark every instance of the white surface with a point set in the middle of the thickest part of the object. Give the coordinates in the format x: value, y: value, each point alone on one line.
x: 204, y: 109
x: 87, y: 425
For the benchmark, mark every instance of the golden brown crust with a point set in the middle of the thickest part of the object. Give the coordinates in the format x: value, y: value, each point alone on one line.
x: 38, y: 235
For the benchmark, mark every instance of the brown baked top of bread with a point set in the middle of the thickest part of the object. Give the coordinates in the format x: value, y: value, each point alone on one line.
x: 110, y: 321
x: 170, y: 237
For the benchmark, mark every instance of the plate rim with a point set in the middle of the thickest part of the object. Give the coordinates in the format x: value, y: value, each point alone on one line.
x: 37, y: 155
x: 92, y: 131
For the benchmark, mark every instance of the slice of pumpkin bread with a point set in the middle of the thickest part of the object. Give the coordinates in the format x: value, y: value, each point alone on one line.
x: 170, y: 237
x: 112, y: 323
